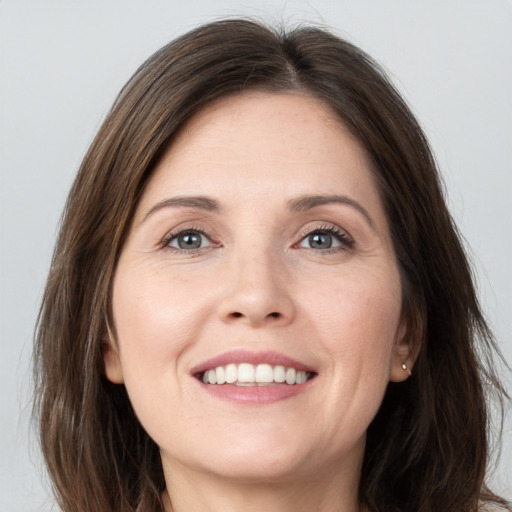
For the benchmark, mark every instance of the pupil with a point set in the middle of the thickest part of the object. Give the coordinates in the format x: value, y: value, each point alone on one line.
x: 320, y: 241
x: 189, y: 241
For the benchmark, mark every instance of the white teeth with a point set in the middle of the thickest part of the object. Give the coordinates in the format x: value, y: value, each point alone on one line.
x: 290, y: 375
x: 231, y: 373
x: 299, y: 378
x: 220, y: 374
x: 261, y: 374
x: 246, y: 372
x: 264, y: 373
x: 279, y: 374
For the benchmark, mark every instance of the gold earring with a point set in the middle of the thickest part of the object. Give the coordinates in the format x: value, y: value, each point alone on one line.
x: 405, y: 369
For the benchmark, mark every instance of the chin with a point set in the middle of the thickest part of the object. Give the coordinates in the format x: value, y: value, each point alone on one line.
x: 253, y: 454
x: 260, y: 467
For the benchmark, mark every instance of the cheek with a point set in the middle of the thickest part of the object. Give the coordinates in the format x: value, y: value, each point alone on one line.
x: 156, y: 318
x: 365, y: 304
x: 357, y: 320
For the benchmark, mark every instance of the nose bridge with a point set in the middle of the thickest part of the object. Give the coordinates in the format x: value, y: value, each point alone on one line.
x: 257, y: 291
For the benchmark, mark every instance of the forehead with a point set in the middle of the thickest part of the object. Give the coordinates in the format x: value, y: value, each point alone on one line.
x: 263, y: 145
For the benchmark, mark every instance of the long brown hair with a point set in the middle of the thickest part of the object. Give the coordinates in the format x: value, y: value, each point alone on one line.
x: 427, y: 448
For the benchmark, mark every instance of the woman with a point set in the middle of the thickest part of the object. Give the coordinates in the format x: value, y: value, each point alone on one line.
x: 258, y: 299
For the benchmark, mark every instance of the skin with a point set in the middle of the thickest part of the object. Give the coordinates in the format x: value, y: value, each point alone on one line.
x: 257, y: 283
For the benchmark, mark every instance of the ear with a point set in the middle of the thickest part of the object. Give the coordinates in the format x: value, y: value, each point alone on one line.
x: 112, y: 361
x: 407, y: 347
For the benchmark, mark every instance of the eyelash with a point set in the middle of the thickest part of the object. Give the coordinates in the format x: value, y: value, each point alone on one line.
x: 346, y: 241
x: 342, y: 236
x: 165, y: 243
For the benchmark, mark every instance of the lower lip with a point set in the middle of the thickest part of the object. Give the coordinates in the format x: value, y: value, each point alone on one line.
x: 255, y: 395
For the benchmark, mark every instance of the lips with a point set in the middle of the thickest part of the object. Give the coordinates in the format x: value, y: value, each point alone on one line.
x: 246, y: 374
x: 253, y: 377
x: 244, y: 356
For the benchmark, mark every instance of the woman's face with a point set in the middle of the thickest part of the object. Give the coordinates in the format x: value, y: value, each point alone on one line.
x: 259, y: 252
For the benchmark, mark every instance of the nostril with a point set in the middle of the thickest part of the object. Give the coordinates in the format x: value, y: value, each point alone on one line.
x: 274, y: 314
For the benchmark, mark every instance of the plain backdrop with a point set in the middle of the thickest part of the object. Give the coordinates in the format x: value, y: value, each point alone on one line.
x: 63, y: 62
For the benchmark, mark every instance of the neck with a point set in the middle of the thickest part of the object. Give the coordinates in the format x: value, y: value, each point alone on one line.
x: 189, y: 491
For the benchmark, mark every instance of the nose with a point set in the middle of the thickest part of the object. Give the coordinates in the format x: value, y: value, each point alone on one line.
x: 257, y: 292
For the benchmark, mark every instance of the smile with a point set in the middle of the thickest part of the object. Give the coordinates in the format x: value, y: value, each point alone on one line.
x: 247, y: 374
x: 254, y: 378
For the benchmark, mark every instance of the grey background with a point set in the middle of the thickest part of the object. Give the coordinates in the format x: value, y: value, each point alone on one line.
x: 62, y: 63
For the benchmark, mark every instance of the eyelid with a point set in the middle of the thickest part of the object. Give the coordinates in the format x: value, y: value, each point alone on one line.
x: 345, y: 239
x: 203, y: 239
x: 170, y: 236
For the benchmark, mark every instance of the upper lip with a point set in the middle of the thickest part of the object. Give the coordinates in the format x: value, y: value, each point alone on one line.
x: 252, y: 357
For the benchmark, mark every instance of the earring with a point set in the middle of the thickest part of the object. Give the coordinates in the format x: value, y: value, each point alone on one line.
x: 405, y: 369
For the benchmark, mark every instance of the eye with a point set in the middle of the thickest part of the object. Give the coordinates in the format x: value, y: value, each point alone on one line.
x: 320, y: 241
x: 188, y: 240
x: 326, y: 238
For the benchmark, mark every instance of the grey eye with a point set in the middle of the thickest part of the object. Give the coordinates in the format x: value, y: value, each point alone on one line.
x: 320, y: 240
x: 189, y: 240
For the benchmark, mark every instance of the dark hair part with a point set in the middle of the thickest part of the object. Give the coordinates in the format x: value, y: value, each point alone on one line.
x: 427, y: 448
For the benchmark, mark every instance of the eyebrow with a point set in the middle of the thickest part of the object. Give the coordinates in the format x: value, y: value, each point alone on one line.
x: 199, y: 202
x: 299, y: 204
x: 304, y: 203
